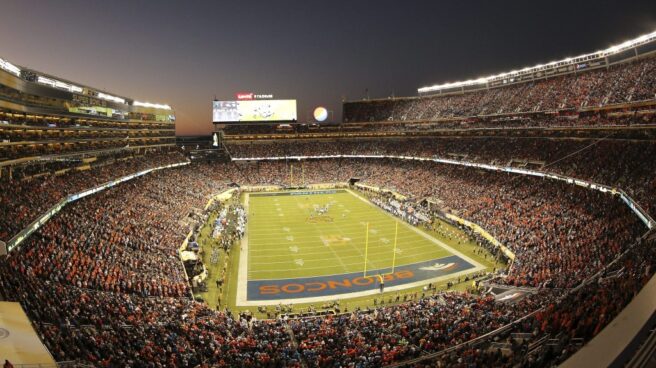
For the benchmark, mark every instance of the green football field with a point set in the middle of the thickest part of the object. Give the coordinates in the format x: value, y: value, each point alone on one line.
x: 289, y: 238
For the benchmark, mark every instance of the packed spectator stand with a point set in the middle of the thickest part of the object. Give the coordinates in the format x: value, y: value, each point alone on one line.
x: 628, y: 82
x: 125, y: 254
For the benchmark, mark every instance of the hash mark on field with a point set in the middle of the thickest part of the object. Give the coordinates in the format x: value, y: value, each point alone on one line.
x: 299, y: 262
x: 294, y: 249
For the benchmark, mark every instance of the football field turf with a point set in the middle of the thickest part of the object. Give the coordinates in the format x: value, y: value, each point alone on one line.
x: 287, y: 239
x: 311, y: 246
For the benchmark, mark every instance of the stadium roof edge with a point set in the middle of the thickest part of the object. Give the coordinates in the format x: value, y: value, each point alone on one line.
x: 615, y: 49
x: 18, y: 69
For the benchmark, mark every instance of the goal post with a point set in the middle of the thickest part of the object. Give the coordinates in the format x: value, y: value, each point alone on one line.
x: 366, y: 251
x: 396, y: 235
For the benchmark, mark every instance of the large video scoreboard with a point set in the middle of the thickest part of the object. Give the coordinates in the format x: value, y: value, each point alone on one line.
x: 248, y: 111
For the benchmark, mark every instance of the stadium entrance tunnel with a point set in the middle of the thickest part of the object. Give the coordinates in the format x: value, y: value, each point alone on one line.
x: 352, y: 181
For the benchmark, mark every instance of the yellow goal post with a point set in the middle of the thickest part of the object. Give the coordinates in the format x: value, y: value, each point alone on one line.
x: 366, y: 252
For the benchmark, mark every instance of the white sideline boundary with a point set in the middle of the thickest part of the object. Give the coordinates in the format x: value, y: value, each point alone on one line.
x: 242, y: 280
x: 242, y: 275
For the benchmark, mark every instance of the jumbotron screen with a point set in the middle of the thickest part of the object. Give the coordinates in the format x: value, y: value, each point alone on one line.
x: 253, y: 111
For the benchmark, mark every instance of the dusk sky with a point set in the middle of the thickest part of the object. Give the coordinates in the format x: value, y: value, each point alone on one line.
x: 186, y: 52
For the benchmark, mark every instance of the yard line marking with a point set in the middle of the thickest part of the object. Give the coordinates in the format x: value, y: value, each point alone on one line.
x: 444, y: 254
x: 266, y: 252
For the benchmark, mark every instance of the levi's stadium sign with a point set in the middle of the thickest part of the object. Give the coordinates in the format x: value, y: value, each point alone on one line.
x: 253, y: 96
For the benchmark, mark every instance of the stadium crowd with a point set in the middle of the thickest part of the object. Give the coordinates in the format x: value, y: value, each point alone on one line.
x: 22, y: 200
x: 114, y: 265
x: 618, y: 163
x: 621, y: 83
x: 109, y: 329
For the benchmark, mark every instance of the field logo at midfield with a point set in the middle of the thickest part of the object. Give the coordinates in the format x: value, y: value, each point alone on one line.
x: 329, y: 240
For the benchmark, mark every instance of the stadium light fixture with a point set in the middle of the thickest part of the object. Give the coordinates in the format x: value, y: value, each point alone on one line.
x: 59, y: 84
x: 615, y: 49
x: 151, y: 105
x: 4, y: 64
x: 107, y: 97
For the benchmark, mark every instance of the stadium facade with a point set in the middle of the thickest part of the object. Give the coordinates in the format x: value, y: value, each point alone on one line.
x: 44, y: 118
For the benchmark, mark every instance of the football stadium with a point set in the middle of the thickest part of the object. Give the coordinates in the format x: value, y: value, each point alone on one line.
x: 497, y: 213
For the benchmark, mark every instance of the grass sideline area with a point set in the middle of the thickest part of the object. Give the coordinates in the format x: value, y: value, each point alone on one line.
x: 292, y: 236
